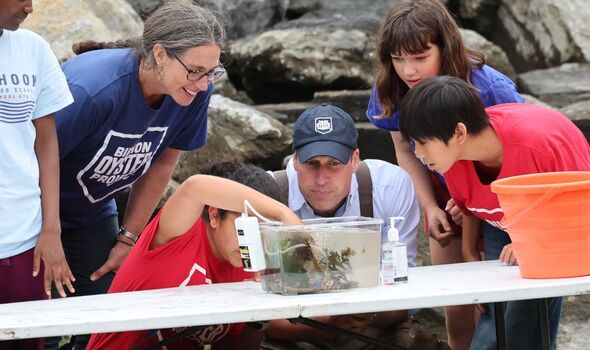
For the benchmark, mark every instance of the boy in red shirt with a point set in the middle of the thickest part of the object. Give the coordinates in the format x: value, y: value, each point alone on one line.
x: 472, y: 146
x: 192, y: 241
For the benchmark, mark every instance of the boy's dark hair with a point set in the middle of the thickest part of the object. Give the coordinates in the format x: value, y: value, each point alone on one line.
x: 244, y: 173
x: 433, y: 108
x: 409, y: 27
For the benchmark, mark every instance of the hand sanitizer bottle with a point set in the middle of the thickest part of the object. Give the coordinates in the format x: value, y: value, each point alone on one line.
x: 394, y: 263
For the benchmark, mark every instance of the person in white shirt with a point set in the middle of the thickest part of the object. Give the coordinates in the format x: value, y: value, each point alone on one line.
x: 323, y: 181
x: 32, y: 89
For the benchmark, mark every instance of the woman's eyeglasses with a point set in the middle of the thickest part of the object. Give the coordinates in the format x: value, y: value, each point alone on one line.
x: 197, y: 74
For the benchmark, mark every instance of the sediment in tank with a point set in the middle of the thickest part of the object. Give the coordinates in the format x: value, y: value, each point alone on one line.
x: 320, y: 259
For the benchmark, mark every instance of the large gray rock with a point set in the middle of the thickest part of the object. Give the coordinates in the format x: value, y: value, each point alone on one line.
x: 291, y: 64
x: 63, y: 23
x: 535, y: 101
x: 298, y: 8
x: 494, y: 55
x: 243, y: 17
x: 145, y: 7
x: 559, y: 86
x: 224, y: 87
x: 248, y: 16
x: 479, y: 14
x: 364, y: 15
x: 544, y: 33
x: 330, y: 47
x: 470, y: 9
x: 579, y: 113
x: 236, y: 129
x: 353, y: 102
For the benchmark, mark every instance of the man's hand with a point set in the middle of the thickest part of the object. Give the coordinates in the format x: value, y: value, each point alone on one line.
x: 439, y: 227
x: 114, y: 261
x: 57, y: 271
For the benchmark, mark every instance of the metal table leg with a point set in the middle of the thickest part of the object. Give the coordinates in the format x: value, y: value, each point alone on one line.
x: 500, y: 326
x: 544, y: 324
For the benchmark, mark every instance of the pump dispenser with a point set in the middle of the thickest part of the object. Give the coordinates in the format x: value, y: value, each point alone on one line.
x: 394, y: 263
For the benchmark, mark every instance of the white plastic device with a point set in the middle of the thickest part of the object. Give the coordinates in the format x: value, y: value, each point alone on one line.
x: 250, y: 243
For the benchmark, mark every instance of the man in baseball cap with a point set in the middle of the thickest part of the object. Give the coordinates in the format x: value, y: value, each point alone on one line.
x: 326, y: 157
x: 326, y: 178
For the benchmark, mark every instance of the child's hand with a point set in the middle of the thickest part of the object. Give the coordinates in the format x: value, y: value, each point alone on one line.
x: 438, y: 225
x: 289, y: 218
x: 507, y: 256
x: 455, y: 212
x: 56, y: 269
x: 471, y: 256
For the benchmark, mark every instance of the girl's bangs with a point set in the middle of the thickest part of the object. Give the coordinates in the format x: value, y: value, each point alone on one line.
x: 411, y: 39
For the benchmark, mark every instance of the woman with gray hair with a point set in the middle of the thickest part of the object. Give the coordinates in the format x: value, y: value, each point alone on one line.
x: 138, y: 103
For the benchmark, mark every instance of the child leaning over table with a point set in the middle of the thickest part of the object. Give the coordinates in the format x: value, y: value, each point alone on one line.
x: 196, y: 227
x: 472, y: 147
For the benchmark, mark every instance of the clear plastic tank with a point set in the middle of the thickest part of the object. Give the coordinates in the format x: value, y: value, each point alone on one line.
x: 322, y: 255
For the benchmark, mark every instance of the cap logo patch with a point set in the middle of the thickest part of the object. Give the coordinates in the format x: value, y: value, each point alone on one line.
x: 323, y: 125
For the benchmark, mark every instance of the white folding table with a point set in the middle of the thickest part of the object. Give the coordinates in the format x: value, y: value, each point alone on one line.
x: 428, y: 286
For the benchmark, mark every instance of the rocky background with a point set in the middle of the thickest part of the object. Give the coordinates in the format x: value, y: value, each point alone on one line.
x: 286, y: 55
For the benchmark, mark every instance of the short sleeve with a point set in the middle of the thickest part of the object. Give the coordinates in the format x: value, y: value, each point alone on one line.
x: 194, y: 134
x: 502, y: 91
x: 75, y: 122
x: 374, y: 110
x: 54, y: 93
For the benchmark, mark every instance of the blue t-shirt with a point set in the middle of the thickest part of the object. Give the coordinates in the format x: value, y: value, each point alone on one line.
x: 494, y: 88
x: 110, y: 136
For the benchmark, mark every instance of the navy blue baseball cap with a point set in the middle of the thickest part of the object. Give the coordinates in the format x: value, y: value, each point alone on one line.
x: 324, y: 130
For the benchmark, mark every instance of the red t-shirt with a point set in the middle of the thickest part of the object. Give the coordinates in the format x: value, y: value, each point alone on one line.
x: 534, y: 140
x: 185, y: 261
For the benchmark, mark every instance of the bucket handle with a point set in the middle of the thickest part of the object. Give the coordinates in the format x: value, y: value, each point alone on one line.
x: 545, y: 197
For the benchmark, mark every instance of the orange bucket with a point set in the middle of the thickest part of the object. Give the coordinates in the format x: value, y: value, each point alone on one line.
x: 547, y: 216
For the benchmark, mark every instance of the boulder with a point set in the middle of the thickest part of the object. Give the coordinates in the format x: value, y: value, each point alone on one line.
x: 354, y: 102
x: 63, y: 23
x: 297, y: 8
x: 248, y: 16
x: 287, y: 112
x: 495, y: 56
x: 243, y: 17
x: 237, y: 130
x: 224, y: 87
x: 480, y: 15
x: 145, y: 7
x: 535, y: 101
x: 291, y: 64
x: 544, y: 33
x: 558, y: 86
x: 579, y: 113
x: 365, y: 16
